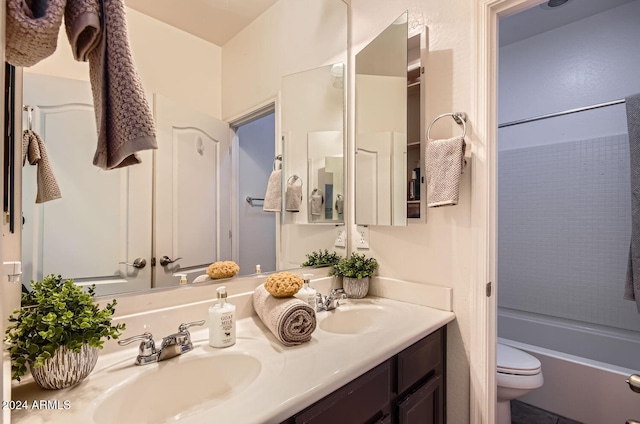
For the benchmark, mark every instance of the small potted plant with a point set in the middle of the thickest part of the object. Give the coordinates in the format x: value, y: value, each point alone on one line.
x: 356, y: 271
x: 321, y: 258
x: 58, y: 332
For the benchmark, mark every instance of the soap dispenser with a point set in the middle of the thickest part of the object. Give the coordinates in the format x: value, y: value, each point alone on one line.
x: 307, y: 293
x: 222, y: 321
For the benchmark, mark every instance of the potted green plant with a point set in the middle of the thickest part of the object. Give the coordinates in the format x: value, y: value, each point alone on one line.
x: 57, y: 333
x: 321, y: 258
x: 356, y: 271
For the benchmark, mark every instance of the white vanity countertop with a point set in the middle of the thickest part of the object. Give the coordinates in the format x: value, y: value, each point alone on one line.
x: 290, y: 378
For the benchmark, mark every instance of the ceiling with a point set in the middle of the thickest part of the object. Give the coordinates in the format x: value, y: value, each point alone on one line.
x: 216, y: 21
x: 539, y: 19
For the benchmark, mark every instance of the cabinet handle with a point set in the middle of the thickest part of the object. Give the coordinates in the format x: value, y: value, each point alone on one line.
x: 634, y: 382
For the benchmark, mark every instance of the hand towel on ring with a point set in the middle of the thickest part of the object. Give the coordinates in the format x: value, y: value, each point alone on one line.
x: 293, y: 194
x: 317, y: 200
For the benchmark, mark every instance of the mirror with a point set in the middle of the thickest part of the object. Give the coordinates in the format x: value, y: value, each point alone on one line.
x: 173, y: 209
x: 313, y: 142
x: 381, y: 128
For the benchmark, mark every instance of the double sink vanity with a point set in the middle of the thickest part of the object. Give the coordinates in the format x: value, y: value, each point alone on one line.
x: 370, y: 360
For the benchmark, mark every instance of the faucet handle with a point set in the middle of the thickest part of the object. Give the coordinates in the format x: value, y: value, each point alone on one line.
x: 147, y: 345
x: 184, y: 326
x: 338, y: 293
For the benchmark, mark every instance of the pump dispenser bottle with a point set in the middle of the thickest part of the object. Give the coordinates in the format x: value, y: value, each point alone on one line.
x: 307, y: 293
x: 222, y: 321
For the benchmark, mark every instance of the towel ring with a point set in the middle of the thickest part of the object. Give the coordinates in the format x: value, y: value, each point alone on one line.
x: 459, y: 117
x: 292, y: 179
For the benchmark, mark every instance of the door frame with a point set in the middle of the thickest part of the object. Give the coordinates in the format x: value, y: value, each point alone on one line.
x: 484, y: 307
x: 271, y: 105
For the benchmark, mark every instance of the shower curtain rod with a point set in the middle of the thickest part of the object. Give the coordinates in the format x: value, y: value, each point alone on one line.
x: 566, y: 112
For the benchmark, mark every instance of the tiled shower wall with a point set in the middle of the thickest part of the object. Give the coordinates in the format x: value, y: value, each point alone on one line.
x: 564, y: 222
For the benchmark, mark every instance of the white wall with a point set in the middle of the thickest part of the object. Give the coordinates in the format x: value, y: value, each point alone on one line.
x: 576, y: 175
x: 254, y: 60
x: 170, y: 62
x: 587, y: 62
x: 438, y: 252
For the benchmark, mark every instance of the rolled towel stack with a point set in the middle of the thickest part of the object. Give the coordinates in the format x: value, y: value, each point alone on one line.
x: 291, y: 320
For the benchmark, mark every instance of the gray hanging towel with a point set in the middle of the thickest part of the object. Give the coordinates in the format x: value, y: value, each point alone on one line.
x: 34, y: 150
x: 632, y: 284
x: 32, y: 28
x: 273, y: 195
x: 123, y: 116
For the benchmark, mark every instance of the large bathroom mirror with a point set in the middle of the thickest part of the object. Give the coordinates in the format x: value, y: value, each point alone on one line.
x: 138, y: 228
x: 313, y: 142
x: 381, y: 128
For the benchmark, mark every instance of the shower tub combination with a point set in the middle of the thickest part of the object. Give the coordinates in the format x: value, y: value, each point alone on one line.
x: 585, y: 366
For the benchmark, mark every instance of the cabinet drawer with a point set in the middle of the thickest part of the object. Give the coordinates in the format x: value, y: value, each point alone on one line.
x: 418, y: 360
x: 357, y: 402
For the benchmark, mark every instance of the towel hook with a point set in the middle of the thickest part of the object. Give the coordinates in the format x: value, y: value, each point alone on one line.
x: 29, y: 111
x: 277, y: 163
x: 459, y: 117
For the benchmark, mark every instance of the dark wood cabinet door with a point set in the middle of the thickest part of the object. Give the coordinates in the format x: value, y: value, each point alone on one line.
x: 419, y: 361
x: 356, y: 403
x: 424, y: 406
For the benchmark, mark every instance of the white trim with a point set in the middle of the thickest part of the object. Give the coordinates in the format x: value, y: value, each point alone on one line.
x: 484, y: 309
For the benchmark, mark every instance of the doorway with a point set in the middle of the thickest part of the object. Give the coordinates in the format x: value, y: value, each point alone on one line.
x: 256, y: 229
x: 563, y: 208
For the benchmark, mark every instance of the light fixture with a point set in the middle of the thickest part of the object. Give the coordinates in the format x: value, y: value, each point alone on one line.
x: 337, y: 70
x: 551, y: 4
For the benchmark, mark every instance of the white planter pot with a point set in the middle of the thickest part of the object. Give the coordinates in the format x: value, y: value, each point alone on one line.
x: 355, y: 288
x: 65, y: 368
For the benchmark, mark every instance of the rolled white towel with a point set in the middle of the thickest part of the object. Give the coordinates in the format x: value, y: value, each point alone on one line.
x: 291, y: 320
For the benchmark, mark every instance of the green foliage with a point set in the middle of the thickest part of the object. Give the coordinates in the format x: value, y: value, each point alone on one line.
x: 321, y: 258
x: 355, y: 266
x: 56, y: 313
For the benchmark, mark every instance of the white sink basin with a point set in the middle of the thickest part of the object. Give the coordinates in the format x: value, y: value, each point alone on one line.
x: 170, y: 390
x: 356, y: 317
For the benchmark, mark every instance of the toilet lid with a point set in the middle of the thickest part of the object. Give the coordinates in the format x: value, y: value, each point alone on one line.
x: 514, y: 361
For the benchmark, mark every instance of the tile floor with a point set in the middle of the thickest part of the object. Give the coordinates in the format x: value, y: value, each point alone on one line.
x: 522, y: 413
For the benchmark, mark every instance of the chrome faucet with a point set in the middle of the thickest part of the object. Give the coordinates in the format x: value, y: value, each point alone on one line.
x: 173, y: 345
x: 328, y: 303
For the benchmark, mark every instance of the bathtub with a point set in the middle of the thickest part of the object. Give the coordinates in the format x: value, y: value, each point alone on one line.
x: 584, y: 366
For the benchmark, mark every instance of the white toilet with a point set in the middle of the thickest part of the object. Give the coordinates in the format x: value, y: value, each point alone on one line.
x: 518, y: 374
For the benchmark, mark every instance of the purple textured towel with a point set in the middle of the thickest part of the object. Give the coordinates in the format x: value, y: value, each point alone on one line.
x: 82, y: 20
x: 123, y: 116
x: 32, y: 28
x: 34, y: 150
